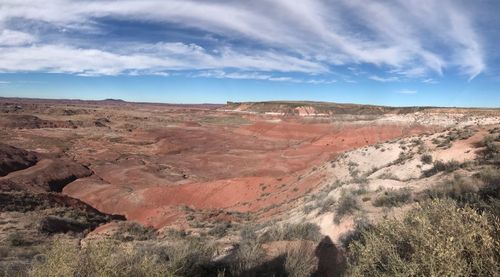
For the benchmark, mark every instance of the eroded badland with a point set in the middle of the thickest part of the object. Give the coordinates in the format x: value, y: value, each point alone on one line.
x: 79, y: 169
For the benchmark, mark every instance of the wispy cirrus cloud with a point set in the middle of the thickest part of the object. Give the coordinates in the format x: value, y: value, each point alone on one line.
x: 430, y: 81
x: 407, y: 91
x: 220, y: 74
x: 383, y: 79
x: 409, y: 38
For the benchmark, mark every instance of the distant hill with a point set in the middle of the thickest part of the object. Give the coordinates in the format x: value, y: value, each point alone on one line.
x: 310, y: 108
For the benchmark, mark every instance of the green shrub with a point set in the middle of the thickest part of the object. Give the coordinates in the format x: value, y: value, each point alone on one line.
x: 437, y: 239
x: 346, y: 205
x: 393, y: 198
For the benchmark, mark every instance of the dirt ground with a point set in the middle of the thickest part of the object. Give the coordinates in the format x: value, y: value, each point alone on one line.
x: 159, y: 164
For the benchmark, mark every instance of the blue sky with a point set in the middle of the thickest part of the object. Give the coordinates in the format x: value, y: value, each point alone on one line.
x: 411, y: 52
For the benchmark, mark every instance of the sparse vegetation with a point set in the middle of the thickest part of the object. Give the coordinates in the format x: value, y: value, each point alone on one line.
x: 249, y: 255
x: 426, y: 159
x: 111, y: 258
x: 16, y: 239
x: 347, y: 204
x: 437, y: 239
x: 290, y: 231
x: 393, y: 198
x: 491, y: 151
x: 220, y: 229
x: 440, y: 166
x: 388, y: 176
x: 458, y: 188
x: 128, y: 231
x: 326, y: 205
x: 300, y: 260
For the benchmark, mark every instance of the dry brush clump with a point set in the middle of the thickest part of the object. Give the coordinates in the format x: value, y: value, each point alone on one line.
x: 129, y: 231
x: 115, y: 258
x: 300, y: 260
x: 458, y: 187
x: 491, y: 151
x: 426, y: 158
x: 347, y: 204
x: 393, y: 198
x: 292, y: 231
x: 437, y: 239
x: 248, y: 257
x: 440, y: 166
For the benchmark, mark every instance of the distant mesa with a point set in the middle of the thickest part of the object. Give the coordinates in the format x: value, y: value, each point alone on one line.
x: 311, y: 108
x: 114, y: 100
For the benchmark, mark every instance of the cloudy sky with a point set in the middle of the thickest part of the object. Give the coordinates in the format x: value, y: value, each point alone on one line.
x: 407, y: 52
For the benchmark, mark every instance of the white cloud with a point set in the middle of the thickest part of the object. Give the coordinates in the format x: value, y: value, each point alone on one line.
x: 148, y: 59
x: 407, y: 91
x: 12, y: 38
x: 414, y: 38
x: 220, y: 74
x: 383, y: 79
x: 430, y: 81
x: 4, y: 82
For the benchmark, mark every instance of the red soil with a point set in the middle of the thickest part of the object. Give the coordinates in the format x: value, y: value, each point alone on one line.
x: 244, y: 168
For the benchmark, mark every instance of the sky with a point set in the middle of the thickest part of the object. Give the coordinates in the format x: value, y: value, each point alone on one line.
x: 399, y: 53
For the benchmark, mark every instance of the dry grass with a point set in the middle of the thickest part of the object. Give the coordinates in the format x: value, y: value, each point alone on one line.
x: 393, y: 198
x: 300, y: 260
x: 437, y: 239
x: 289, y: 231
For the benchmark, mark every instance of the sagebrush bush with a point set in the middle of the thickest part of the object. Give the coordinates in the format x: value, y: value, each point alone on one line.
x: 491, y: 152
x: 292, y: 231
x: 490, y: 176
x: 440, y: 166
x: 458, y: 188
x: 426, y: 159
x: 325, y: 205
x: 437, y: 239
x: 347, y: 204
x: 393, y: 198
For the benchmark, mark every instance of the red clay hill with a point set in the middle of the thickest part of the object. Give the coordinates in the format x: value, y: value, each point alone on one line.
x: 160, y: 164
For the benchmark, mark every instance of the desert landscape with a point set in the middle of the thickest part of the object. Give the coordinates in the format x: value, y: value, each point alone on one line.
x: 241, y: 189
